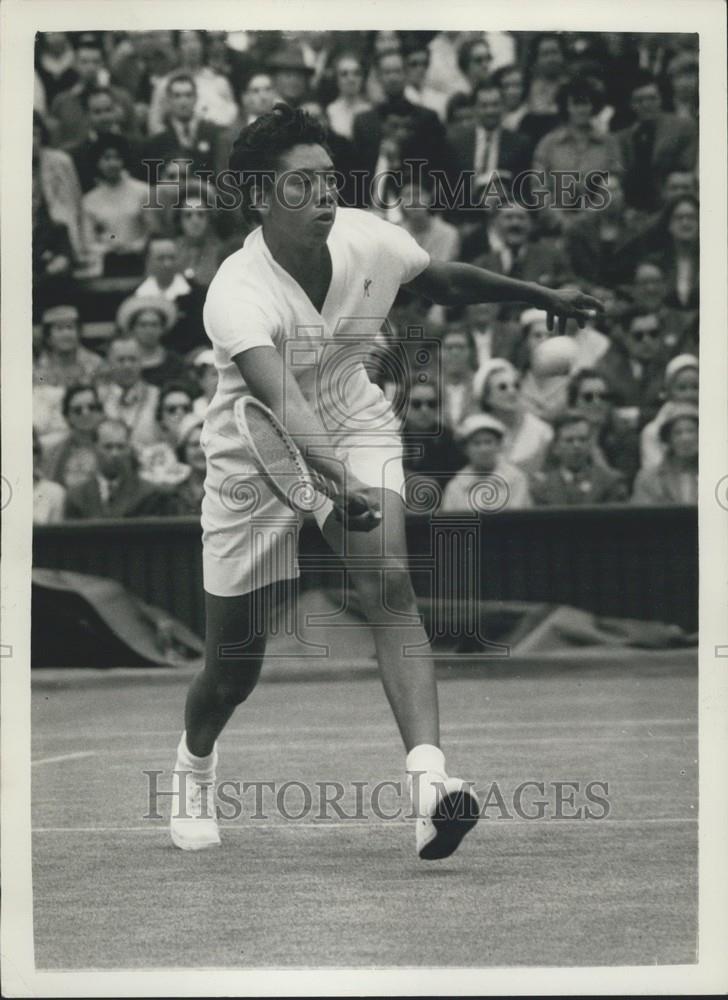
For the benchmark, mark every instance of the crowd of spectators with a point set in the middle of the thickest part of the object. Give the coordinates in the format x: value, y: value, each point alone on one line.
x: 131, y: 131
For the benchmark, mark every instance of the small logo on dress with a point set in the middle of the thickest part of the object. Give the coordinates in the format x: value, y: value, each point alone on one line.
x: 367, y: 285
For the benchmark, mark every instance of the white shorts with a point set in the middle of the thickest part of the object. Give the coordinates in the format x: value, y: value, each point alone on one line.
x: 249, y: 537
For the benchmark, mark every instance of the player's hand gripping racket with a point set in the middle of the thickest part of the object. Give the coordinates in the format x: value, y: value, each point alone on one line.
x: 279, y: 460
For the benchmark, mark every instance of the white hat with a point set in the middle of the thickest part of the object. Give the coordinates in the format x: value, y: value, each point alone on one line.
x: 678, y: 364
x: 135, y: 304
x: 479, y: 422
x: 206, y: 357
x: 484, y: 372
x: 530, y: 316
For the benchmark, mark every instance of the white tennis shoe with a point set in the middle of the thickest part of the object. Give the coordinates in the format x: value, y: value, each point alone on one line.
x: 193, y: 823
x: 447, y: 809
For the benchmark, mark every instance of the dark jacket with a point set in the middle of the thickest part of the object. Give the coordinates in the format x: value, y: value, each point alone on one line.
x: 135, y: 498
x: 557, y: 487
x: 207, y: 152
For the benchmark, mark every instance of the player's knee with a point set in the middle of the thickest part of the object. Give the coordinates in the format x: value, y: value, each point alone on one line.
x: 389, y: 589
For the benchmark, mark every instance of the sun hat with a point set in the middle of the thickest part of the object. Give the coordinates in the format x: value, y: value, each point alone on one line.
x: 205, y: 357
x: 479, y: 422
x: 679, y: 364
x: 289, y: 57
x: 135, y: 304
x: 486, y: 370
x: 530, y: 316
x: 56, y: 314
x: 672, y: 412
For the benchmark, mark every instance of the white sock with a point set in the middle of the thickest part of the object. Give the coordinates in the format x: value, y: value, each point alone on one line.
x: 425, y: 765
x: 201, y: 767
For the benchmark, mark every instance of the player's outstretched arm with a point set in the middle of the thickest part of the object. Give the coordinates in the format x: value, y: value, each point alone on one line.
x: 455, y: 283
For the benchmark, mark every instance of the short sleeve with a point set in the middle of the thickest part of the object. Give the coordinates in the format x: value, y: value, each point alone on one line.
x: 234, y: 323
x: 402, y: 250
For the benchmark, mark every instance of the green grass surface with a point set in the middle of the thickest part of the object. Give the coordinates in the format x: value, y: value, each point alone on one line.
x: 111, y: 892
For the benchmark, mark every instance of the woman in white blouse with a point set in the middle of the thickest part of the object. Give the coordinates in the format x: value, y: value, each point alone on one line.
x: 497, y: 390
x: 350, y: 82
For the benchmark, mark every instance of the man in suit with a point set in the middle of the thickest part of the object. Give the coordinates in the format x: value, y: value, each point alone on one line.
x: 575, y: 478
x: 636, y: 367
x: 372, y: 130
x: 657, y: 144
x: 116, y: 490
x: 186, y: 136
x: 485, y: 147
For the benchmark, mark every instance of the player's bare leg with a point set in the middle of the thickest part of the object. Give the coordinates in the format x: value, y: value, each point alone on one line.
x: 236, y: 631
x: 446, y: 809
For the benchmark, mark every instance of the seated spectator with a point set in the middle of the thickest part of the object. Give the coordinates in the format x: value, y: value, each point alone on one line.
x: 493, y: 337
x: 396, y: 130
x: 488, y: 482
x: 129, y: 397
x: 497, y: 391
x: 164, y: 278
x: 681, y: 386
x: 615, y: 442
x: 577, y: 145
x: 512, y: 85
x: 186, y: 134
x: 440, y: 239
x: 205, y: 374
x: 62, y: 360
x: 679, y: 253
x: 542, y: 395
x: 546, y: 62
x: 515, y: 255
x: 148, y: 319
x: 459, y: 363
x: 117, y: 218
x: 475, y: 61
x: 137, y: 61
x: 675, y: 479
x: 257, y: 98
x: 649, y: 289
x: 634, y: 365
x: 55, y: 176
x: 460, y: 111
x: 213, y: 99
x: 116, y: 490
x: 350, y: 102
x: 575, y: 478
x: 417, y: 61
x: 49, y: 498
x: 198, y: 245
x: 486, y: 148
x: 657, y: 144
x: 102, y: 114
x: 291, y: 76
x: 187, y: 496
x: 52, y: 255
x: 158, y: 462
x: 72, y: 460
x: 600, y: 245
x: 682, y: 73
x: 69, y: 112
x: 55, y: 63
x: 429, y: 445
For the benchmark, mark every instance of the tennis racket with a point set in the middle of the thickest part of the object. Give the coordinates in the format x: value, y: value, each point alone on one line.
x: 278, y: 458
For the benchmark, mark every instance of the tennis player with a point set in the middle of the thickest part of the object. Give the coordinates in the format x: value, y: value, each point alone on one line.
x: 291, y: 317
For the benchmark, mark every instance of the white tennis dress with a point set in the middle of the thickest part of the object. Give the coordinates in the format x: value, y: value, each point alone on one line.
x: 249, y: 537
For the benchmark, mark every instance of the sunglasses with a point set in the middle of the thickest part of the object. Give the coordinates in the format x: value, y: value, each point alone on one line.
x: 349, y: 72
x: 417, y: 404
x: 481, y: 59
x: 84, y: 408
x: 640, y: 335
x: 592, y: 397
x: 505, y: 386
x: 178, y: 408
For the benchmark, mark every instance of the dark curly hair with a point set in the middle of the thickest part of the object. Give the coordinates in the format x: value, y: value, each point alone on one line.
x: 258, y: 148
